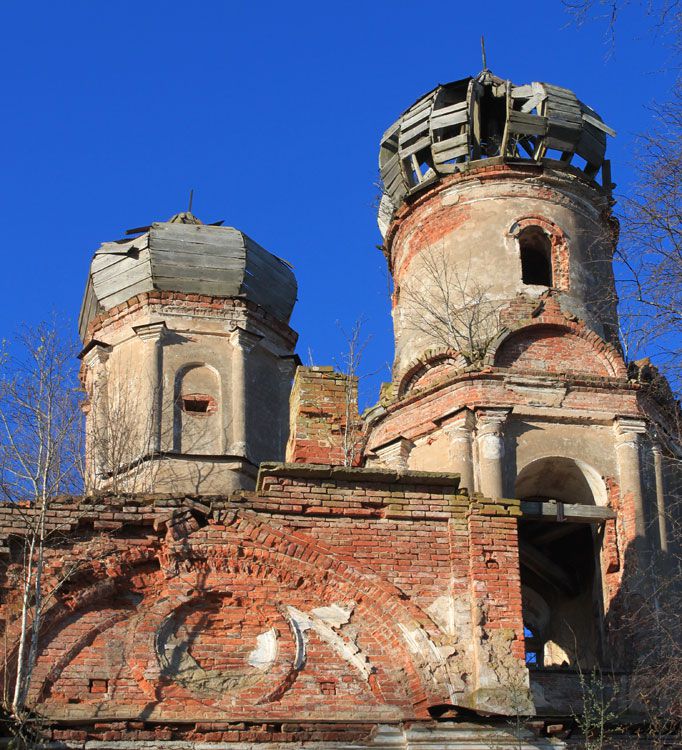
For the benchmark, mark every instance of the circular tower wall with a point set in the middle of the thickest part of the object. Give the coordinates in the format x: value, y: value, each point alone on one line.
x: 479, y: 248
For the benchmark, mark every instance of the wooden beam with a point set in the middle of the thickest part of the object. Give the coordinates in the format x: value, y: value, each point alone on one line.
x: 555, y: 510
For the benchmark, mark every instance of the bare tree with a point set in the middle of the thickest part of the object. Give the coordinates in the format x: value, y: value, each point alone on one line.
x: 662, y: 14
x: 120, y: 438
x: 651, y: 246
x: 449, y: 304
x: 649, y: 257
x: 40, y: 458
x: 351, y: 360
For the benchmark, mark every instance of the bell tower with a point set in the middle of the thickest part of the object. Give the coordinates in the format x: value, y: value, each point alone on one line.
x: 188, y: 359
x: 498, y: 233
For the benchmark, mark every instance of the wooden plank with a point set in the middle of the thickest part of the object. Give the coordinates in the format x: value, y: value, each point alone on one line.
x: 396, y: 185
x: 571, y: 114
x: 441, y: 146
x: 198, y: 234
x: 552, y: 510
x: 563, y: 101
x: 590, y: 148
x: 508, y: 108
x: 457, y: 107
x: 527, y: 124
x: 124, y: 262
x: 409, y: 122
x: 227, y: 249
x: 558, y: 90
x: 389, y: 171
x: 453, y: 118
x: 533, y: 103
x: 522, y: 92
x: 599, y: 125
x: 421, y: 105
x: 217, y: 286
x: 473, y: 95
x: 453, y: 153
x: 188, y: 263
x: 414, y: 147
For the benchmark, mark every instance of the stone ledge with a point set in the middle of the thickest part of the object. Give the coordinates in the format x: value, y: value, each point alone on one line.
x: 356, y: 474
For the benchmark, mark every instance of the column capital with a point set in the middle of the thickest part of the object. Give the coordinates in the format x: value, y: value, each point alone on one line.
x: 491, y: 421
x: 95, y: 353
x: 458, y: 424
x: 151, y: 331
x: 395, y: 453
x: 288, y: 363
x: 628, y: 430
x: 245, y: 340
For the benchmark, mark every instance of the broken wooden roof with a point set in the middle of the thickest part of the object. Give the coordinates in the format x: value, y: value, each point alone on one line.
x: 184, y: 255
x: 462, y: 122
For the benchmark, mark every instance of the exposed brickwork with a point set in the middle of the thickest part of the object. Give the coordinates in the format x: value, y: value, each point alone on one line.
x: 189, y: 304
x: 524, y: 314
x: 378, y: 549
x: 325, y: 427
x: 546, y: 349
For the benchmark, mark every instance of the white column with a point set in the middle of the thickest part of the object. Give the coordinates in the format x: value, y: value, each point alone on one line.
x: 243, y: 342
x: 152, y: 334
x: 95, y: 357
x: 628, y: 433
x: 490, y: 450
x: 395, y: 454
x: 660, y: 497
x: 460, y: 435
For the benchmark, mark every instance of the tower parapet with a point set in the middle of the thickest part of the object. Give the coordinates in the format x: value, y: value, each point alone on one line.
x: 459, y: 124
x: 189, y: 358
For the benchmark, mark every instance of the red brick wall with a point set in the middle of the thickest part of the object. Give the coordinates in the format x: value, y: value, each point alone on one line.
x: 324, y: 424
x: 545, y: 349
x: 152, y: 572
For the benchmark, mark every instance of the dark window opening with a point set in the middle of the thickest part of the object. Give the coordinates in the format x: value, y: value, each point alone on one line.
x: 198, y: 404
x: 558, y: 581
x: 493, y: 116
x: 536, y: 257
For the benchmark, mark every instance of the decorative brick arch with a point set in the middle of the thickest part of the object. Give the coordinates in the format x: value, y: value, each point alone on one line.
x: 559, y: 243
x: 551, y: 343
x: 248, y: 548
x: 428, y: 367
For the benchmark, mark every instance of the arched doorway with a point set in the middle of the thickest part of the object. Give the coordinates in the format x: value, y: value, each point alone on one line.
x: 558, y: 551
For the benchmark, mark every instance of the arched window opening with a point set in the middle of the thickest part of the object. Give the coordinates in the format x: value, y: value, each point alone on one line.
x: 197, y: 423
x: 558, y: 566
x: 560, y: 578
x: 536, y: 257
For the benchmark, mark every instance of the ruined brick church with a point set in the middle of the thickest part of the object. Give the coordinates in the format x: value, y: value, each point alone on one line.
x: 259, y: 565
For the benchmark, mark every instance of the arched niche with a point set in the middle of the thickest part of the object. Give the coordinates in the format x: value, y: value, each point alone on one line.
x: 560, y: 478
x: 197, y: 423
x: 553, y: 349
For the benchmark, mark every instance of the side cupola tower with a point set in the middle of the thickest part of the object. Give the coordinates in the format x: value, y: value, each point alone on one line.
x: 498, y: 232
x: 188, y: 359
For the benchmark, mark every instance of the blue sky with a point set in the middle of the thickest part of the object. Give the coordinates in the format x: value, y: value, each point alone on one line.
x: 272, y: 113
